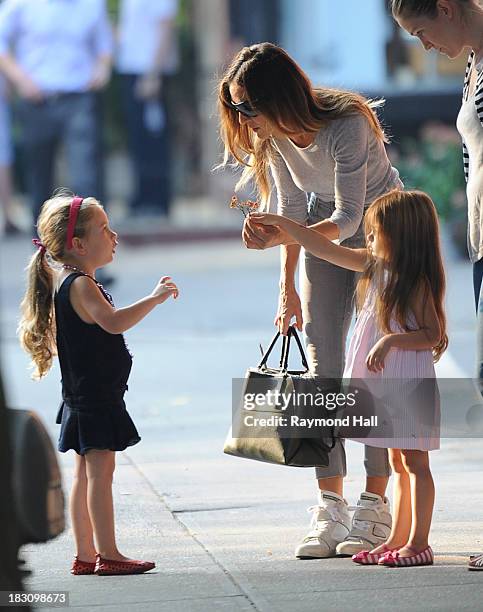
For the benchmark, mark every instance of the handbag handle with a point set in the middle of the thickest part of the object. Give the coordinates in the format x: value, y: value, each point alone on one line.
x: 266, y: 355
x: 285, y: 350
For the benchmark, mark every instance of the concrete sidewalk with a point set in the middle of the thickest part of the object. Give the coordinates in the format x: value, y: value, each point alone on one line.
x: 226, y: 544
x: 187, y: 575
x: 222, y: 530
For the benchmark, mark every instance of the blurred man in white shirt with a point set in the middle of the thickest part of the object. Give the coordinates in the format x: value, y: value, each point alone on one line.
x: 146, y: 57
x: 57, y: 54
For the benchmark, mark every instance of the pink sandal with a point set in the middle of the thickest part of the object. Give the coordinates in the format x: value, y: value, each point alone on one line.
x: 393, y: 559
x: 364, y: 557
x: 476, y: 562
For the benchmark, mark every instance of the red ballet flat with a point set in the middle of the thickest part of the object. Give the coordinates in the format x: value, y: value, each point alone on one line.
x: 82, y: 568
x: 111, y: 567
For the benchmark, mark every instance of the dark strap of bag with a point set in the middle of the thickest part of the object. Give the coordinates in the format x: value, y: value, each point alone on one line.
x: 284, y: 361
x: 292, y: 332
x: 285, y: 350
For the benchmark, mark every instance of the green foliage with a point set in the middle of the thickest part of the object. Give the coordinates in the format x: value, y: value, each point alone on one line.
x: 435, y: 165
x: 113, y: 8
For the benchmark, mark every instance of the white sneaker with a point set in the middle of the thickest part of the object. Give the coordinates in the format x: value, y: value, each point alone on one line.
x: 371, y: 525
x: 330, y: 525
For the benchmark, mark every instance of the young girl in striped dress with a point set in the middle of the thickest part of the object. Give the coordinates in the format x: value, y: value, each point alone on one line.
x: 399, y: 333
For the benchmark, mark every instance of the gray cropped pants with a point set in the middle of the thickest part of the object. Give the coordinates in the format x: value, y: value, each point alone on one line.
x: 327, y: 295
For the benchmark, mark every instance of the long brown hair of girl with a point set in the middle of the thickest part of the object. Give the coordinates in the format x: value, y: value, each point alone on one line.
x: 36, y: 329
x: 407, y: 223
x: 280, y: 90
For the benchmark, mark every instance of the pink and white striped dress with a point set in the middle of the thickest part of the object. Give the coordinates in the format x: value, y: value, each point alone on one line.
x: 406, y: 395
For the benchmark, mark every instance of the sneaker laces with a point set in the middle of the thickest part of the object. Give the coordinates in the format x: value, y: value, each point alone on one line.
x: 358, y: 523
x: 359, y: 526
x: 317, y: 524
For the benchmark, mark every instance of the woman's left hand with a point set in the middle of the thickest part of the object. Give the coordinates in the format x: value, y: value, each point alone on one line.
x: 377, y: 355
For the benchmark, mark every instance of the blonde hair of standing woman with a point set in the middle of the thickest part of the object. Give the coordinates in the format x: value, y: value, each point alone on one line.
x: 280, y: 90
x: 36, y: 329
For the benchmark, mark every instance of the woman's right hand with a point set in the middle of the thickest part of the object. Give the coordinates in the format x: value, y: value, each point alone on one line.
x: 289, y: 306
x: 258, y: 236
x: 164, y: 289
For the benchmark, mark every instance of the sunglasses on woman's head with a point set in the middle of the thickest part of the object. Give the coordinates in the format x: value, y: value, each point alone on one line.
x: 244, y: 108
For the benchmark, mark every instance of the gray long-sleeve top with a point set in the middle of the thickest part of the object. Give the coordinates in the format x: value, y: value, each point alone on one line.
x: 346, y: 165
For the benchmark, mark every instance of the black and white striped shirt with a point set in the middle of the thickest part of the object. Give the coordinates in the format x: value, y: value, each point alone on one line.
x: 478, y: 103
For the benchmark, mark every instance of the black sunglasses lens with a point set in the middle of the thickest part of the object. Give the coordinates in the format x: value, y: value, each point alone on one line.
x: 245, y: 109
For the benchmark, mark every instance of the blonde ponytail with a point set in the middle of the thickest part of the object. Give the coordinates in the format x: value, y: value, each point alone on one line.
x: 37, y: 324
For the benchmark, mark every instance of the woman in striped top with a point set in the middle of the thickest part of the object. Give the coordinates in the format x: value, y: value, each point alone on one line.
x: 448, y: 26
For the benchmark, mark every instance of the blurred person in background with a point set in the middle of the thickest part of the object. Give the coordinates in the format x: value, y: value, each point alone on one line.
x: 251, y: 21
x: 57, y: 54
x: 449, y: 26
x: 145, y: 63
x: 8, y: 225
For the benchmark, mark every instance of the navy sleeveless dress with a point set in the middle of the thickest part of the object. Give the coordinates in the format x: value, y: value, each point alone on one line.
x: 95, y: 367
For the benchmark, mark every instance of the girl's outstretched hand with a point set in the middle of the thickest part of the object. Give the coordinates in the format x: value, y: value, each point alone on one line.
x: 267, y: 219
x: 164, y: 289
x: 377, y: 355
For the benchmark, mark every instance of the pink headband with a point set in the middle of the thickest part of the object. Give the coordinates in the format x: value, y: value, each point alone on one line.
x: 73, y: 213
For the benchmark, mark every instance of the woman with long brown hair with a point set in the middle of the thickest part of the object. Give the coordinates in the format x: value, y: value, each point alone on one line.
x: 324, y: 150
x: 450, y: 26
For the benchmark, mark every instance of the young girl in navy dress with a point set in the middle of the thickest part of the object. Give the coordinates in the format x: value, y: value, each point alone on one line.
x: 65, y: 311
x: 399, y: 333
